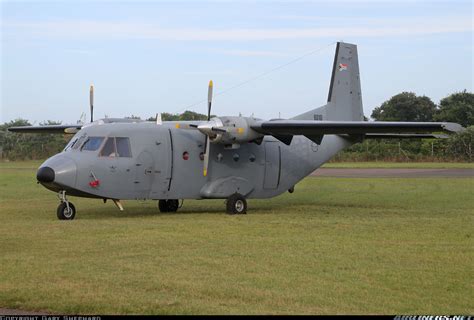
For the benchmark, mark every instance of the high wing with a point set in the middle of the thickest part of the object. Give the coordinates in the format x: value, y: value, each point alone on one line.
x: 315, y: 130
x: 70, y: 128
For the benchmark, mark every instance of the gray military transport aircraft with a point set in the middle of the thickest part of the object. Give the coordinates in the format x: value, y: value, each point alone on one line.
x: 232, y: 158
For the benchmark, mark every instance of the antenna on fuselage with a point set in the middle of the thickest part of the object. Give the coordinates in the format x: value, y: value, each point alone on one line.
x: 91, y: 101
x: 159, y: 119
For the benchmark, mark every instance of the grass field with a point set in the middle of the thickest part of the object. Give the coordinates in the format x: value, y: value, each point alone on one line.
x: 337, y: 245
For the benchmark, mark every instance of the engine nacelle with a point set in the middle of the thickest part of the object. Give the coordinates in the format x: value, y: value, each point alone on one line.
x: 237, y: 130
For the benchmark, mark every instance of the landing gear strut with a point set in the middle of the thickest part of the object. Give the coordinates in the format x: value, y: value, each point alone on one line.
x: 66, y: 210
x: 236, y: 204
x: 171, y: 205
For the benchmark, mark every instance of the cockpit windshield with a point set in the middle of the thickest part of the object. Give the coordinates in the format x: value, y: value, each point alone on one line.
x: 84, y: 143
x: 79, y: 142
x: 92, y: 144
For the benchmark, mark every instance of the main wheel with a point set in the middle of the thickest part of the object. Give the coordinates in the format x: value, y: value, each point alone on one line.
x: 163, y: 205
x: 171, y: 205
x: 236, y: 204
x: 65, y: 213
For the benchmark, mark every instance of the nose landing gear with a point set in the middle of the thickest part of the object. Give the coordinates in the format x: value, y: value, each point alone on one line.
x: 236, y: 204
x: 66, y: 210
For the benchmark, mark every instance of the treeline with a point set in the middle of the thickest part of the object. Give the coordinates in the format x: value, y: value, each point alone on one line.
x: 406, y: 106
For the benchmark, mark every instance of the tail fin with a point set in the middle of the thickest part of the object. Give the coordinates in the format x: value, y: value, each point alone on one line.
x: 345, y: 95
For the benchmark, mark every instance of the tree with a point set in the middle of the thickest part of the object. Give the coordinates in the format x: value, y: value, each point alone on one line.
x: 457, y: 107
x: 185, y: 116
x: 405, y: 106
x: 460, y: 144
x: 30, y: 146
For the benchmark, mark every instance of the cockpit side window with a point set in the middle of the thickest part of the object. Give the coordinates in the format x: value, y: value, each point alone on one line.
x: 92, y: 144
x: 108, y: 150
x: 116, y: 147
x: 123, y: 147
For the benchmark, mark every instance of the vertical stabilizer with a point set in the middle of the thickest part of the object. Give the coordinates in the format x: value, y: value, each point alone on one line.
x: 345, y: 95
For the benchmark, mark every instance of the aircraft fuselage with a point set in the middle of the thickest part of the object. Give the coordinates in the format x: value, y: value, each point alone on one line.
x: 165, y: 162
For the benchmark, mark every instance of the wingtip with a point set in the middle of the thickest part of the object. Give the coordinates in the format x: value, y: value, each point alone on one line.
x: 453, y: 127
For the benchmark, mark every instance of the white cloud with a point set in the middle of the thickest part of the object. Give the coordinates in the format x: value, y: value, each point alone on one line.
x: 137, y: 30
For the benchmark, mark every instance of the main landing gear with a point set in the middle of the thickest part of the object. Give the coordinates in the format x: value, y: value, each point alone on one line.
x: 66, y: 210
x: 171, y: 205
x: 236, y: 204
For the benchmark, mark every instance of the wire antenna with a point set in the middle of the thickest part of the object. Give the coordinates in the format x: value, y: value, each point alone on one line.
x: 261, y: 75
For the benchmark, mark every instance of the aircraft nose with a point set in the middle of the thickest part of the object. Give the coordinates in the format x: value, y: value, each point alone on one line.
x: 45, y: 174
x: 58, y: 170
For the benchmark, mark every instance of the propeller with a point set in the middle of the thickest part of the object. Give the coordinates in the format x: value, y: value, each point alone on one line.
x: 91, y: 101
x: 207, y: 144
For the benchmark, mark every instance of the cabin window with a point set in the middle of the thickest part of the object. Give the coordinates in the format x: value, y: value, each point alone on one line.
x: 116, y: 147
x: 92, y: 144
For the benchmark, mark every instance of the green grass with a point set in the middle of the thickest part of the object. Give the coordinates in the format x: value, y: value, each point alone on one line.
x: 391, y: 246
x: 414, y: 165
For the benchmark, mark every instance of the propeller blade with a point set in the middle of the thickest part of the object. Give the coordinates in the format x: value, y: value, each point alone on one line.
x: 215, y: 129
x: 187, y: 126
x: 91, y: 101
x: 209, y: 100
x: 206, y: 156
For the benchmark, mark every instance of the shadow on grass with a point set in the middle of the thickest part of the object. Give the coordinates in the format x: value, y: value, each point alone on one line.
x: 274, y: 206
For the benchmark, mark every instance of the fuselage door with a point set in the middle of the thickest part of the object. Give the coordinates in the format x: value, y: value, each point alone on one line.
x: 272, y: 165
x: 144, y: 174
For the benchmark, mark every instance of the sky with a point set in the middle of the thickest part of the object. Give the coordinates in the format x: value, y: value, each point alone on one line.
x: 146, y: 57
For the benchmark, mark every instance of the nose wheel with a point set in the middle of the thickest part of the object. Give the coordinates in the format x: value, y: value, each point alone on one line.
x: 66, y: 210
x: 236, y: 204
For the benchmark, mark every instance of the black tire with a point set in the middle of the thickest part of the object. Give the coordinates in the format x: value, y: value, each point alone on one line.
x: 171, y: 205
x: 163, y: 205
x: 63, y: 213
x: 236, y: 204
